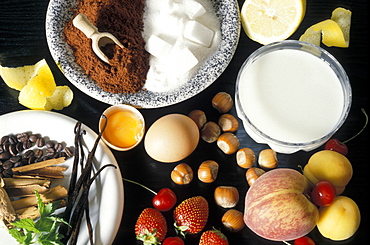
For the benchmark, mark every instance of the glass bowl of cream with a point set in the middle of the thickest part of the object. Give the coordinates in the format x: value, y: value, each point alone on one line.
x: 292, y: 95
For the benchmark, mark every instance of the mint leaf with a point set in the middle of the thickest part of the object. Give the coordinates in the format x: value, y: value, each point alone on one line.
x: 50, y: 239
x: 21, y: 237
x: 44, y: 224
x: 44, y: 231
x: 51, y: 207
x: 26, y: 224
x: 18, y: 235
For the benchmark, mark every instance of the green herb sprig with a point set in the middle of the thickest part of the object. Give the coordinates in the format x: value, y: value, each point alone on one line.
x: 44, y: 230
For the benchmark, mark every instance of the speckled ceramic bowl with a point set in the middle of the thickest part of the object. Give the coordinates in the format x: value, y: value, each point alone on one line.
x: 59, y: 13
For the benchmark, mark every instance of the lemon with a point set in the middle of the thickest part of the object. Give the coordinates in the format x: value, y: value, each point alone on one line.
x: 18, y: 77
x: 31, y: 98
x: 270, y: 21
x: 37, y: 86
x: 334, y: 31
x: 62, y: 97
x: 343, y: 18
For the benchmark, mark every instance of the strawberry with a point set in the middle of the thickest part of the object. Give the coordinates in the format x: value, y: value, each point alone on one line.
x: 213, y: 237
x: 151, y: 226
x: 191, y: 215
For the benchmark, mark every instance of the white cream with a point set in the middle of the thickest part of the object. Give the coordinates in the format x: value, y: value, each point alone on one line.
x: 291, y: 96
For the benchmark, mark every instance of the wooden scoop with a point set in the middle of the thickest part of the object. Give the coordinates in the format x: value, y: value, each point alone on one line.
x: 99, y: 39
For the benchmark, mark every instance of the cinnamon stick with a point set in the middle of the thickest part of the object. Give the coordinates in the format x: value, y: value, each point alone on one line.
x: 39, y: 165
x: 22, y: 182
x: 54, y: 172
x: 53, y: 194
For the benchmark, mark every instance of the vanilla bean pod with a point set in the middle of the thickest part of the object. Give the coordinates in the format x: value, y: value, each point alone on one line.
x: 77, y: 142
x: 82, y: 183
x: 80, y: 207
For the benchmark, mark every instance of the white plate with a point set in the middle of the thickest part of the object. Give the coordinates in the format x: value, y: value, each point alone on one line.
x: 106, y: 193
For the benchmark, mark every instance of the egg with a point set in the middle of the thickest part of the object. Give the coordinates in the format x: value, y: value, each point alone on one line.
x: 171, y: 138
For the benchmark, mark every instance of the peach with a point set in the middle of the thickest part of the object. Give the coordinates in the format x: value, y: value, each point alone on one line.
x: 331, y: 166
x: 340, y: 220
x: 276, y: 206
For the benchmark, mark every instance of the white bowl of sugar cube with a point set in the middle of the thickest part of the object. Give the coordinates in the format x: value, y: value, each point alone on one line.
x: 190, y: 43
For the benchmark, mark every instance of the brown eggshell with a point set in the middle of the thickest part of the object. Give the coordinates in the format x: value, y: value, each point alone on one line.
x: 171, y: 138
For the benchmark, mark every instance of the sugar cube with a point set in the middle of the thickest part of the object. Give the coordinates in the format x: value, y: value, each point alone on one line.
x: 198, y: 33
x: 158, y: 47
x: 180, y: 60
x: 193, y: 9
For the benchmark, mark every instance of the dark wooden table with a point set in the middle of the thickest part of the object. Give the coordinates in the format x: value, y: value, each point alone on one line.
x: 22, y: 41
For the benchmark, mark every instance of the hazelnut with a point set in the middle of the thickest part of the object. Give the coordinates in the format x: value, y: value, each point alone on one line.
x: 226, y: 196
x: 245, y: 157
x: 228, y: 123
x: 228, y: 143
x: 233, y: 220
x: 222, y: 102
x: 267, y: 159
x: 182, y: 174
x: 253, y: 174
x: 210, y: 132
x: 207, y: 171
x: 199, y: 117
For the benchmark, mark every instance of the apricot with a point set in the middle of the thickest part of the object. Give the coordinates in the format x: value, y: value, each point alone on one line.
x: 331, y: 166
x: 340, y: 220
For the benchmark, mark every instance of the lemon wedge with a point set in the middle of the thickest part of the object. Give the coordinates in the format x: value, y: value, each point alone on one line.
x: 334, y: 31
x: 18, y: 77
x: 267, y: 21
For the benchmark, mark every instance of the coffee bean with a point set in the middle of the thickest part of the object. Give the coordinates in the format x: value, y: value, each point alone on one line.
x: 69, y: 151
x: 33, y: 138
x: 22, y: 137
x: 40, y: 142
x: 58, y: 147
x: 4, y: 140
x: 38, y: 153
x: 5, y: 155
x: 27, y: 144
x: 50, y: 151
x: 12, y: 139
x: 19, y: 146
x: 28, y: 154
x: 15, y: 159
x: 13, y: 149
x: 8, y: 164
x: 49, y: 144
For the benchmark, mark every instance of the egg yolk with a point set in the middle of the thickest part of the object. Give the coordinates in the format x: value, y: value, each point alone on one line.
x: 123, y: 129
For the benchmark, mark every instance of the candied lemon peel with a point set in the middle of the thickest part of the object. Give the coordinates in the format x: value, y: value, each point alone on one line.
x: 37, y: 86
x: 270, y: 21
x: 334, y: 31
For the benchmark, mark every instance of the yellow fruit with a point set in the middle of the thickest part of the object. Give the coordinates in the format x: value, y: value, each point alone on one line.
x: 43, y: 82
x: 31, y: 98
x: 335, y: 31
x: 17, y: 77
x: 270, y: 21
x: 343, y: 18
x: 332, y: 34
x: 331, y: 166
x: 62, y: 97
x: 340, y: 220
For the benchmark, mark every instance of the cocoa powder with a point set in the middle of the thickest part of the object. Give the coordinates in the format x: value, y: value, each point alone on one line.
x: 128, y: 66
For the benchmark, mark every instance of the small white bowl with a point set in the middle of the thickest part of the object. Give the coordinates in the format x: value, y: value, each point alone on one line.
x: 303, y: 97
x: 113, y: 109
